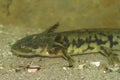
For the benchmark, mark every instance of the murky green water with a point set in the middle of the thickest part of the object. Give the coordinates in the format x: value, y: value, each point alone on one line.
x: 72, y: 14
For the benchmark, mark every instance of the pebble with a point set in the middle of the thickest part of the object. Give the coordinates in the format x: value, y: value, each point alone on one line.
x: 97, y: 64
x: 33, y: 68
x: 81, y: 66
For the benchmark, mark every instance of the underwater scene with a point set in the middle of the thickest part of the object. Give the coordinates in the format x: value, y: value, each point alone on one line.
x: 59, y: 40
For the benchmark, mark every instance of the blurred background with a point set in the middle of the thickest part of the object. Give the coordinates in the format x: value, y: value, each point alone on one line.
x: 71, y: 14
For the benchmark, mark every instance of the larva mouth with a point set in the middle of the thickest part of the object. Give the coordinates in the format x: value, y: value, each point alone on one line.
x: 22, y: 54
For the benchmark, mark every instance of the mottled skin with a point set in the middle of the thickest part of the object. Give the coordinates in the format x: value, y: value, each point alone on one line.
x: 65, y: 44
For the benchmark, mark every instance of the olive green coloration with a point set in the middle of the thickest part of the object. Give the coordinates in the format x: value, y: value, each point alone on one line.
x: 68, y: 43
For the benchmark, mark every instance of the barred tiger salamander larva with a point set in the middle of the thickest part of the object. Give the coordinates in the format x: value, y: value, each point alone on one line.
x: 68, y: 43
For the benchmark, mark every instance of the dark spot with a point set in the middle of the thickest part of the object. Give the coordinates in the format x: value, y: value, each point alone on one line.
x: 80, y: 42
x: 118, y: 36
x: 102, y: 34
x: 88, y: 48
x: 115, y: 43
x: 66, y: 41
x: 110, y: 38
x: 74, y: 43
x: 88, y: 40
x: 99, y: 41
x: 58, y: 38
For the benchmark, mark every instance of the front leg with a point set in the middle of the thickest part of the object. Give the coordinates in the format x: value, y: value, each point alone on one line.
x: 68, y: 58
x: 65, y: 55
